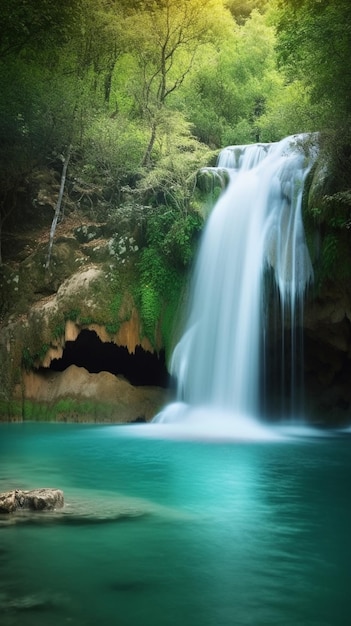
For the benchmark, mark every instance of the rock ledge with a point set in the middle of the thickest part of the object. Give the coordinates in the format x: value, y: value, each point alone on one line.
x: 34, y: 500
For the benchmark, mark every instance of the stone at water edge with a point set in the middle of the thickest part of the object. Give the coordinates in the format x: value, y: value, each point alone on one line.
x: 34, y: 500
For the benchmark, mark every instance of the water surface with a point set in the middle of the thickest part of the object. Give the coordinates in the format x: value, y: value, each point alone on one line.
x: 215, y: 534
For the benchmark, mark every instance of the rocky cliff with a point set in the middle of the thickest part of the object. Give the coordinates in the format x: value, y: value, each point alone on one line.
x: 76, y: 342
x: 92, y: 285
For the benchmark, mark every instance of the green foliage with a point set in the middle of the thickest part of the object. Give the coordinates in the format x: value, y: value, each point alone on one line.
x: 36, y: 24
x: 228, y: 93
x: 241, y: 9
x: 314, y: 47
x: 66, y: 410
x: 10, y: 410
x: 171, y: 240
x: 151, y: 306
x: 289, y: 112
x: 72, y: 315
x: 114, y: 309
x: 59, y: 331
x: 30, y: 359
x: 329, y: 255
x: 171, y: 181
x: 314, y: 44
x: 168, y: 230
x: 327, y: 220
x: 112, y: 150
x: 17, y: 117
x: 171, y: 316
x: 334, y: 261
x: 144, y: 92
x: 85, y: 320
x: 116, y: 304
x: 178, y: 244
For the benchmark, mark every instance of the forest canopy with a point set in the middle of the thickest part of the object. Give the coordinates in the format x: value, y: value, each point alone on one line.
x: 143, y: 93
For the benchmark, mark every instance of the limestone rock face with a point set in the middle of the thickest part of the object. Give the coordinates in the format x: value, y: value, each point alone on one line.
x: 92, y: 397
x: 92, y: 285
x: 87, y: 299
x: 35, y: 500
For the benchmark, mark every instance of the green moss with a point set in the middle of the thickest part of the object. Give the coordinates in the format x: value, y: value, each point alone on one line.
x: 29, y: 359
x: 113, y: 328
x: 34, y: 411
x: 72, y: 315
x: 163, y: 267
x: 85, y: 320
x: 58, y: 331
x: 327, y: 219
x: 10, y: 410
x: 171, y: 318
x: 328, y: 240
x: 116, y: 302
x: 114, y: 317
x: 68, y: 410
x: 151, y: 303
x: 158, y: 292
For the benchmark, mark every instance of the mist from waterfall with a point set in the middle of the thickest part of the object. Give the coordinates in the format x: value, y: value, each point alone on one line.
x: 253, y: 251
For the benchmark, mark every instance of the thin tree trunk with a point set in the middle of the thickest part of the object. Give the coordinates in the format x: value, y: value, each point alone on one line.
x: 147, y: 156
x: 58, y: 205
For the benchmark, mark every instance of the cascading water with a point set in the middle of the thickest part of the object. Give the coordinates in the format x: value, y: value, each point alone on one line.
x: 255, y: 229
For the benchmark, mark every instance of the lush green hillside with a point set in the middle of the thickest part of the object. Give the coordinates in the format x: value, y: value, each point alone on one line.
x: 141, y: 94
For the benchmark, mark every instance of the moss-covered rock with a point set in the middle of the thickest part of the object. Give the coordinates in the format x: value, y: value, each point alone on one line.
x: 98, y: 279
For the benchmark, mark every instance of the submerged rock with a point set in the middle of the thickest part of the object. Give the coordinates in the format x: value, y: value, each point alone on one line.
x: 34, y: 500
x: 34, y: 602
x: 46, y: 506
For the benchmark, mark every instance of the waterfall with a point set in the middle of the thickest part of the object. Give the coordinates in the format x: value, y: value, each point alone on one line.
x: 254, y: 238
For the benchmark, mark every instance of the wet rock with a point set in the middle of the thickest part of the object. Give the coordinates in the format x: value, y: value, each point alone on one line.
x: 8, y: 502
x: 34, y: 500
x: 77, y: 512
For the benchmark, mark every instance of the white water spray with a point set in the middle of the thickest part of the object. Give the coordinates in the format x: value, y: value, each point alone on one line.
x: 256, y: 227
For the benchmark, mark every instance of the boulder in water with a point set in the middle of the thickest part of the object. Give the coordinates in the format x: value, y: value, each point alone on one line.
x: 34, y: 500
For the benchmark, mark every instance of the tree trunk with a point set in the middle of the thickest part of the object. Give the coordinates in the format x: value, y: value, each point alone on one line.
x: 147, y: 156
x: 58, y: 205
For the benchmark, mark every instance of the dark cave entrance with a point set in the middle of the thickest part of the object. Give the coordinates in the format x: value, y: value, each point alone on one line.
x: 88, y: 351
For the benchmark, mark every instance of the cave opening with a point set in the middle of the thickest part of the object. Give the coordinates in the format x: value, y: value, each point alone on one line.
x: 88, y: 351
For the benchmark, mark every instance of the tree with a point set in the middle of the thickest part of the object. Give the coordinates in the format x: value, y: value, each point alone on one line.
x: 99, y: 44
x: 33, y: 25
x: 32, y: 34
x: 242, y: 9
x: 314, y: 45
x: 166, y: 38
x: 172, y: 180
x: 229, y: 90
x: 288, y: 111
